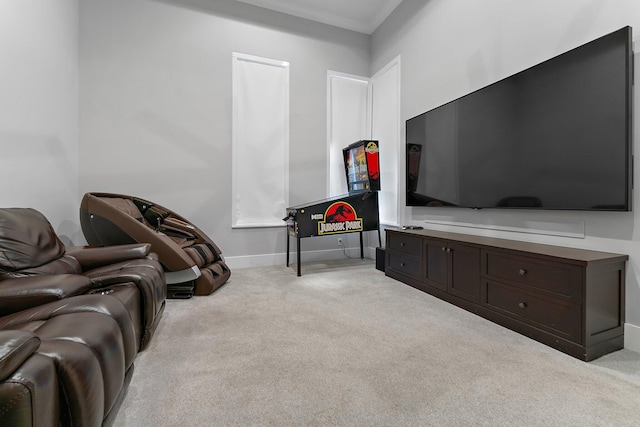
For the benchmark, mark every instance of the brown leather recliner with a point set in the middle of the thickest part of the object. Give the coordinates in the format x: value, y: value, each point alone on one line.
x: 67, y: 362
x: 36, y: 268
x: 192, y: 261
x: 71, y: 323
x: 28, y: 382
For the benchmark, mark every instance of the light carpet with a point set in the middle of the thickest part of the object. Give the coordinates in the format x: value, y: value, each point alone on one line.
x: 344, y: 345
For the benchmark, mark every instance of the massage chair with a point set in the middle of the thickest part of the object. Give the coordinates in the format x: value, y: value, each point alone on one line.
x: 193, y: 263
x: 71, y: 323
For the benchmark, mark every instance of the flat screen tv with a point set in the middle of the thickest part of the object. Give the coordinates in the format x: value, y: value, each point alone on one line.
x: 554, y: 136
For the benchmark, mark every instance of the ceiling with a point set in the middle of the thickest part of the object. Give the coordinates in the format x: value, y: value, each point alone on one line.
x: 363, y: 16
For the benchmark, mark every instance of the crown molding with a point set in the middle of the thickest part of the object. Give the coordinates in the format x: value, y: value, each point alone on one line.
x: 336, y: 20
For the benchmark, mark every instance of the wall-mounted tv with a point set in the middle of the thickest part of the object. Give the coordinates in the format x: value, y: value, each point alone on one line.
x: 554, y: 136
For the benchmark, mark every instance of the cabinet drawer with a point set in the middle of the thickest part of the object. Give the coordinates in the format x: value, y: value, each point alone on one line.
x: 555, y: 315
x: 411, y: 245
x: 562, y: 279
x: 403, y: 264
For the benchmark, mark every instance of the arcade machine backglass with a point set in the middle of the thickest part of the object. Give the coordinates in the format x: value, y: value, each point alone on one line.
x: 354, y: 212
x: 362, y: 166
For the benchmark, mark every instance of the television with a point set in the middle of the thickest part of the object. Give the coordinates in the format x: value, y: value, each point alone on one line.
x: 554, y: 136
x: 362, y: 166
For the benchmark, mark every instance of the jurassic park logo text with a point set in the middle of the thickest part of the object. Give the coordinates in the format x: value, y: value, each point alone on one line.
x: 340, y: 217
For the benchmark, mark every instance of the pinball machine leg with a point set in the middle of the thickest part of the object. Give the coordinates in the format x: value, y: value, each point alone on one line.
x: 361, y: 247
x: 287, y: 248
x: 298, y: 253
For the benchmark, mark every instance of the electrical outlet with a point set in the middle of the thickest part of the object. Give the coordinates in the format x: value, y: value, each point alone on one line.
x: 339, y: 241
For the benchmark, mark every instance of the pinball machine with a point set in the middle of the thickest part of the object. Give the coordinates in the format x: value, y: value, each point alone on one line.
x: 355, y: 212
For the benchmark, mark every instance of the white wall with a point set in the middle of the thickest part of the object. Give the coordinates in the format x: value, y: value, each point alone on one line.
x: 156, y: 105
x: 452, y: 47
x: 39, y: 105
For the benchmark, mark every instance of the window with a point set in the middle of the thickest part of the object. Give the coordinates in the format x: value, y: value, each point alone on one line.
x: 347, y: 122
x: 362, y: 108
x: 260, y: 140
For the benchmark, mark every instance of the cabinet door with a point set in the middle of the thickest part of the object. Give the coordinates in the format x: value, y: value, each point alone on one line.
x: 465, y: 272
x: 453, y: 268
x: 436, y: 263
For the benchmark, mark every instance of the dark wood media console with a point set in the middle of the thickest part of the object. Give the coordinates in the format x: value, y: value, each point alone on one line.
x: 569, y: 299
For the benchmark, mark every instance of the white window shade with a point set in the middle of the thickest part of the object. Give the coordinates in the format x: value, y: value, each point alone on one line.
x: 347, y: 106
x: 363, y: 108
x: 385, y: 89
x: 260, y: 153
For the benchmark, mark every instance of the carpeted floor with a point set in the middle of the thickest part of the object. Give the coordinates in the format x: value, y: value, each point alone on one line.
x: 343, y: 345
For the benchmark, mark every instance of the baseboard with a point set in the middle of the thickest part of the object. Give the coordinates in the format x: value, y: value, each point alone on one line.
x: 267, y: 260
x: 632, y: 337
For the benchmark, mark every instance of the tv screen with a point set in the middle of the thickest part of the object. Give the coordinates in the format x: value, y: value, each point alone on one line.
x: 554, y: 136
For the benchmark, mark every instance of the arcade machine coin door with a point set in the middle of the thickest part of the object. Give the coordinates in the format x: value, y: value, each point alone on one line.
x: 354, y: 212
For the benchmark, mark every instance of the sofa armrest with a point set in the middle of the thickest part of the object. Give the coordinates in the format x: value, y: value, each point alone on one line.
x: 15, y: 348
x: 25, y: 292
x: 90, y: 258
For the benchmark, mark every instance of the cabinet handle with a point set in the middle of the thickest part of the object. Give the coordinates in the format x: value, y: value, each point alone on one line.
x: 522, y: 272
x: 402, y: 264
x: 402, y: 244
x: 445, y: 249
x: 522, y: 305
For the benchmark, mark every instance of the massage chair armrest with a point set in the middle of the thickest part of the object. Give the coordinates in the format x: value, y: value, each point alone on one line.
x: 15, y: 348
x: 179, y: 224
x: 176, y: 227
x: 22, y: 293
x: 90, y: 258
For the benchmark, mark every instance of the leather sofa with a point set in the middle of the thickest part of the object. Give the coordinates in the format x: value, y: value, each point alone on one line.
x: 30, y: 248
x: 71, y: 323
x: 193, y: 263
x: 71, y: 363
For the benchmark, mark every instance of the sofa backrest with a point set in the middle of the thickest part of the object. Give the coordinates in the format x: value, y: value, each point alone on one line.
x: 27, y: 240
